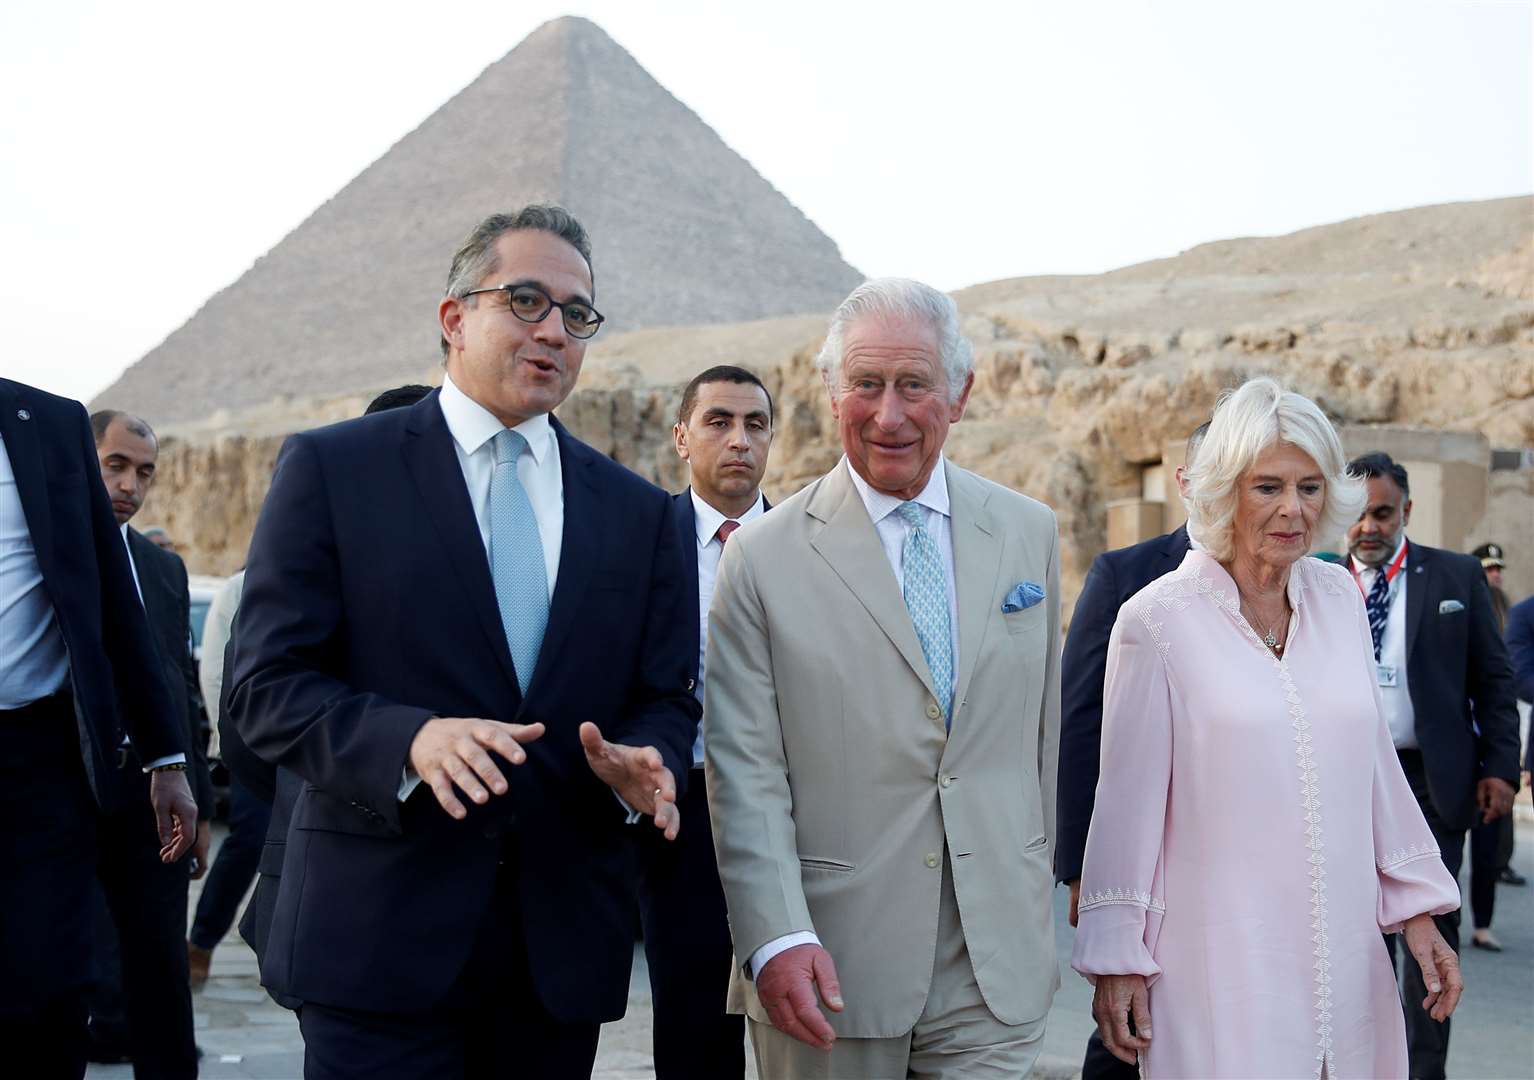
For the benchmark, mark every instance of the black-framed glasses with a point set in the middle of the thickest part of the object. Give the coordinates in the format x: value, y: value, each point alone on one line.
x: 532, y: 305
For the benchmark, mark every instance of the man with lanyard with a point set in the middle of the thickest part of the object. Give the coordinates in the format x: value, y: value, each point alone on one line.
x: 1447, y: 692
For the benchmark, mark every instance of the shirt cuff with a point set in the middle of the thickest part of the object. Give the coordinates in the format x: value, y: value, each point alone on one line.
x: 168, y: 759
x: 408, y: 782
x: 776, y: 945
x: 633, y: 815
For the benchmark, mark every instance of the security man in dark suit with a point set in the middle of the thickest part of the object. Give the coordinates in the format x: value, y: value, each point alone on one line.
x: 78, y: 671
x: 1113, y: 578
x: 723, y: 431
x: 1447, y: 692
x: 142, y: 1000
x: 460, y: 605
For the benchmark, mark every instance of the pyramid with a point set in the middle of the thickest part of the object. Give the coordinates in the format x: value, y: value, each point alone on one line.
x: 683, y: 230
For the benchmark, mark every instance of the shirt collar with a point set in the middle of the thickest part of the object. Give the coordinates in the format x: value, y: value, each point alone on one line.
x: 1360, y: 569
x: 472, y: 425
x: 708, y: 520
x: 879, y: 505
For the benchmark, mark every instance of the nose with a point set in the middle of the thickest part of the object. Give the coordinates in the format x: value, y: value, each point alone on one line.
x: 1290, y: 507
x: 890, y: 414
x: 550, y: 330
x: 739, y: 440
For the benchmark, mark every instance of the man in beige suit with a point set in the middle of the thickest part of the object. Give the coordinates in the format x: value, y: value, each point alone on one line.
x: 882, y: 714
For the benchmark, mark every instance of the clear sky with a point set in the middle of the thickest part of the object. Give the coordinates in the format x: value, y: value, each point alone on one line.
x: 149, y: 153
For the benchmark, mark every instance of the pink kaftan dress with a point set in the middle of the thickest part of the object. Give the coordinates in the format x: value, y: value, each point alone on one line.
x: 1253, y: 834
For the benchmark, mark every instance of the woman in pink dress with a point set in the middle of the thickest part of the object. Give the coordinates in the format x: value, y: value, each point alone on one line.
x: 1254, y: 834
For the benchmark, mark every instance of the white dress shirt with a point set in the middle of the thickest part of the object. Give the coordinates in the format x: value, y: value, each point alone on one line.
x: 1399, y: 716
x: 473, y: 428
x: 34, y: 662
x: 710, y: 549
x: 215, y: 639
x: 892, y: 531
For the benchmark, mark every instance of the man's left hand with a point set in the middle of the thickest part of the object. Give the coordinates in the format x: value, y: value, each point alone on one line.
x: 200, y: 848
x: 637, y: 774
x: 175, y: 812
x: 1494, y: 796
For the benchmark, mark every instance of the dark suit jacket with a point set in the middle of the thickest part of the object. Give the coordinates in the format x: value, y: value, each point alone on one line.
x: 1457, y: 672
x: 114, y: 671
x: 1114, y: 577
x: 168, y: 604
x: 369, y: 608
x: 1520, y: 648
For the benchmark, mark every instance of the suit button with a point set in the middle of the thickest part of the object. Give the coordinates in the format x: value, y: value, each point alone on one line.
x: 946, y: 781
x: 933, y: 712
x: 931, y: 860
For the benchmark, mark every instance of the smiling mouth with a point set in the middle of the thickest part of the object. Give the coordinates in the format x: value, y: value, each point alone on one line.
x: 542, y: 364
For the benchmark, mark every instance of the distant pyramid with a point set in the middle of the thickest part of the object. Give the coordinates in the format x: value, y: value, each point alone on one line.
x: 683, y: 230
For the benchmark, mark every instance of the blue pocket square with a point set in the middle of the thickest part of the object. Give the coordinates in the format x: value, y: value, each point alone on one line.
x: 1023, y: 596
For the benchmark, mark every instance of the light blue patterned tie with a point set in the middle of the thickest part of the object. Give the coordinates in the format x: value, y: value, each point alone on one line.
x: 516, y: 559
x: 926, y: 598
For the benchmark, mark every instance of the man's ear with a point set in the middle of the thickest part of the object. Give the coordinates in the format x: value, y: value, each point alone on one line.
x: 450, y: 318
x: 1406, y: 514
x: 956, y: 410
x: 679, y: 439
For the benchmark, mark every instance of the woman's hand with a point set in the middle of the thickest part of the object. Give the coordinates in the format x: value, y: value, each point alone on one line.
x: 1122, y: 997
x: 1440, y: 967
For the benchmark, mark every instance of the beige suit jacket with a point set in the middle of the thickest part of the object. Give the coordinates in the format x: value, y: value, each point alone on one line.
x: 833, y: 787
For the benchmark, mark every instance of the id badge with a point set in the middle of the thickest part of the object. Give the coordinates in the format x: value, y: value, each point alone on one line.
x: 1388, y: 677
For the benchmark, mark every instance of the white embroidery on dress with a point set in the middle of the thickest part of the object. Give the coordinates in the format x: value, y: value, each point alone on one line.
x: 1310, y: 800
x: 1154, y: 629
x: 1402, y: 856
x: 1132, y: 897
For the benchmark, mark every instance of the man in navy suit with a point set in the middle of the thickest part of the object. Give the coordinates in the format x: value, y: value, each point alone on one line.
x: 141, y: 1004
x: 463, y: 629
x: 723, y: 431
x: 1114, y: 577
x: 1446, y: 689
x: 78, y: 670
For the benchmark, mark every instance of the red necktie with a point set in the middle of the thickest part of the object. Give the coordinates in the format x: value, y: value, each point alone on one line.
x: 725, y: 530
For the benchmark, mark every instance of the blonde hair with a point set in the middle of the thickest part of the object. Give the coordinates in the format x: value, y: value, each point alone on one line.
x: 1246, y: 422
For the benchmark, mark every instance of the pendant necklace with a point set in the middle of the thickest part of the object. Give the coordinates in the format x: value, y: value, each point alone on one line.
x: 1269, y: 638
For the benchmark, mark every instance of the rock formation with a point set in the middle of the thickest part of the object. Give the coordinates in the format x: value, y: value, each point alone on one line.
x: 1421, y: 317
x: 684, y: 231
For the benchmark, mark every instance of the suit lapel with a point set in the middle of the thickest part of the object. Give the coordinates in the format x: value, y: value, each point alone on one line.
x: 687, y: 525
x: 1419, y: 565
x: 433, y: 466
x: 578, y: 549
x: 851, y: 545
x: 977, y: 548
x: 26, y: 454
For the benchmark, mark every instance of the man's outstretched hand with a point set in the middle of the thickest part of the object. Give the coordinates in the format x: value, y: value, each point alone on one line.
x: 453, y: 751
x: 787, y: 986
x: 637, y: 774
x: 175, y: 812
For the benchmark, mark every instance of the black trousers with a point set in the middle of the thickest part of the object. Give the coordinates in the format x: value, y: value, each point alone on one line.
x: 1491, y: 849
x: 492, y: 1026
x: 687, y: 945
x: 47, y: 849
x: 234, y: 868
x: 1100, y: 1064
x: 1427, y: 1040
x: 141, y: 989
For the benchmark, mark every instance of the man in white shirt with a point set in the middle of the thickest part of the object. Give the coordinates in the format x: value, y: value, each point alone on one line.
x: 881, y: 730
x: 723, y: 431
x: 1446, y: 688
x: 78, y: 670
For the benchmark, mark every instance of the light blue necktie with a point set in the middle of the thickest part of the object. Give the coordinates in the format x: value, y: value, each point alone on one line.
x: 926, y: 598
x: 516, y: 559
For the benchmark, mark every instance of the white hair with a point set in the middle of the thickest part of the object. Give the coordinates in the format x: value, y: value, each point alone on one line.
x: 1247, y: 422
x: 900, y: 298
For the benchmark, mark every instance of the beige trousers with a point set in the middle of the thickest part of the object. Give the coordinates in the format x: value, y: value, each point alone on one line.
x: 955, y: 1036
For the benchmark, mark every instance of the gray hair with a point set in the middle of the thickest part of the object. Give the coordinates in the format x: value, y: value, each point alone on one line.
x: 1246, y: 422
x: 900, y: 298
x: 476, y: 257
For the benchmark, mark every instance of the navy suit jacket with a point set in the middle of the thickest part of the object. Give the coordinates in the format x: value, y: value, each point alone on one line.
x: 1460, y: 681
x: 1520, y: 652
x: 1114, y: 577
x: 168, y: 604
x: 114, y: 670
x: 369, y: 608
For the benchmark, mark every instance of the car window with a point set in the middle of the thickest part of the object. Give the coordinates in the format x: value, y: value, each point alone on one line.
x: 199, y: 618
